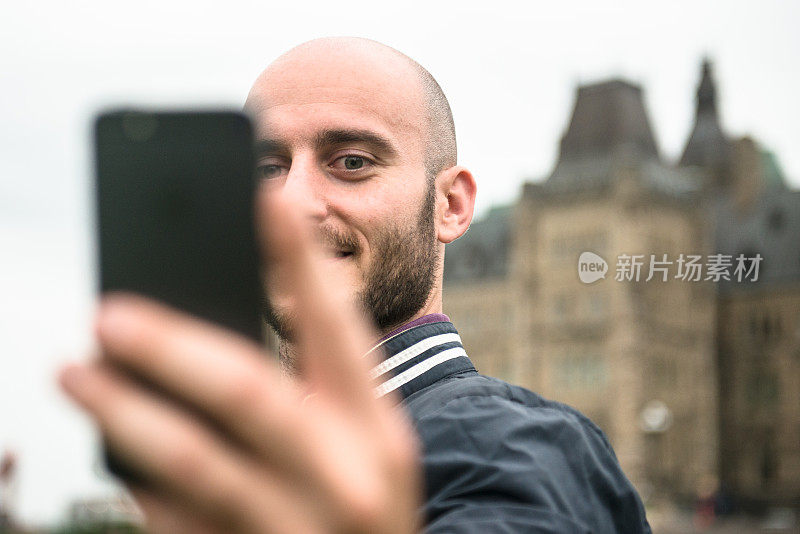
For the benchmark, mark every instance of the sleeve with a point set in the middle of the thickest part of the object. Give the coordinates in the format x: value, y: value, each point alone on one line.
x: 494, y: 465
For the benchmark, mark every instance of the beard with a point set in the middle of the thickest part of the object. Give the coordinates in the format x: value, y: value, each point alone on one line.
x: 397, y: 283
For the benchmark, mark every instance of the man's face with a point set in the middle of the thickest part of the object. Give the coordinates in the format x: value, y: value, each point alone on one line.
x: 344, y: 135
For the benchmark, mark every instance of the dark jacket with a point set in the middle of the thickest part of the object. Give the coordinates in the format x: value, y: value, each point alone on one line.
x: 499, y: 458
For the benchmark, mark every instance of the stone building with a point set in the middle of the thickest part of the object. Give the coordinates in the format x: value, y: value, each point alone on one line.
x: 655, y: 358
x: 759, y: 337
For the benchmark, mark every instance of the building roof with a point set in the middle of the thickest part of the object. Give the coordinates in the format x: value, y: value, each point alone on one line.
x: 770, y: 226
x: 707, y: 146
x: 773, y: 176
x: 609, y: 129
x: 607, y: 116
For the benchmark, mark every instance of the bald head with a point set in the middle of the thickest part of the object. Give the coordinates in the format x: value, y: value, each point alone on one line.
x: 440, y: 153
x: 422, y: 102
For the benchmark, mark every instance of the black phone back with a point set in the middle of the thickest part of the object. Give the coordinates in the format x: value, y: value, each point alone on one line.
x: 175, y: 207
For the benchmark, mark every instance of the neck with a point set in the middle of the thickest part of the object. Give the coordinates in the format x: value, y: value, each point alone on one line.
x: 432, y: 305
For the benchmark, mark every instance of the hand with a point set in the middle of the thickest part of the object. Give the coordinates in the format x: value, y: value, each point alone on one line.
x: 228, y: 445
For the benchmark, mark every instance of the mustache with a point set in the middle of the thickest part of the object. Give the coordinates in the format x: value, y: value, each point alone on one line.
x: 336, y: 239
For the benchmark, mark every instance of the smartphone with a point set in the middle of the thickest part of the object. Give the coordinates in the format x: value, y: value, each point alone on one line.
x: 175, y: 207
x: 175, y: 204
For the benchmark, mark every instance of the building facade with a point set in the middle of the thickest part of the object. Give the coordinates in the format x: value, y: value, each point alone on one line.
x: 649, y: 354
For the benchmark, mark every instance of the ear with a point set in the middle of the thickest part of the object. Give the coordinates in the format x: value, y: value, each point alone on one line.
x: 455, y: 194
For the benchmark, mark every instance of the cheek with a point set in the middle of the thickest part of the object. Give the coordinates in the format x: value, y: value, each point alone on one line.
x: 374, y: 211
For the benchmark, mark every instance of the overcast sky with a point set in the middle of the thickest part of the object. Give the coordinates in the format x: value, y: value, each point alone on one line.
x: 510, y: 73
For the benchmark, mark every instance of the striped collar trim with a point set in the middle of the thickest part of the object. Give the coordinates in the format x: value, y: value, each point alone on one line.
x: 418, y: 357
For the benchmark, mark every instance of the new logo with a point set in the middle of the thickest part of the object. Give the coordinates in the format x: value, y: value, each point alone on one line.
x: 591, y: 267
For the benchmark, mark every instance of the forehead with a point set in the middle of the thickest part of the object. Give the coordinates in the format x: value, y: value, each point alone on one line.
x: 340, y: 88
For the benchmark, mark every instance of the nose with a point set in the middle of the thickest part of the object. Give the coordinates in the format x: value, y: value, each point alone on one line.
x: 305, y: 186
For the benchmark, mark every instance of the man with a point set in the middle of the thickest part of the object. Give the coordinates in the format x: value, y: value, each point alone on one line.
x: 357, y: 152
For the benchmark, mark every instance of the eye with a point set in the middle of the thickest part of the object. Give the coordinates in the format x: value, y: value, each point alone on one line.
x: 270, y: 171
x: 352, y: 163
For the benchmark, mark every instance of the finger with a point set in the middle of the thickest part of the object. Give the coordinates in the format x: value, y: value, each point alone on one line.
x: 215, y: 372
x: 333, y: 342
x: 323, y: 450
x: 333, y: 336
x: 182, y: 458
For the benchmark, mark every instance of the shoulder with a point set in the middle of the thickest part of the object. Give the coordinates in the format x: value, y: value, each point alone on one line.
x: 490, y: 408
x: 486, y: 441
x: 472, y: 390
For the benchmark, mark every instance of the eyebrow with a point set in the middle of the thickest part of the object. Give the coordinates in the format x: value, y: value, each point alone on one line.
x: 334, y: 137
x: 367, y: 137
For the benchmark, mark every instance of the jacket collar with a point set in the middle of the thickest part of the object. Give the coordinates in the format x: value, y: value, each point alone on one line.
x: 417, y: 357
